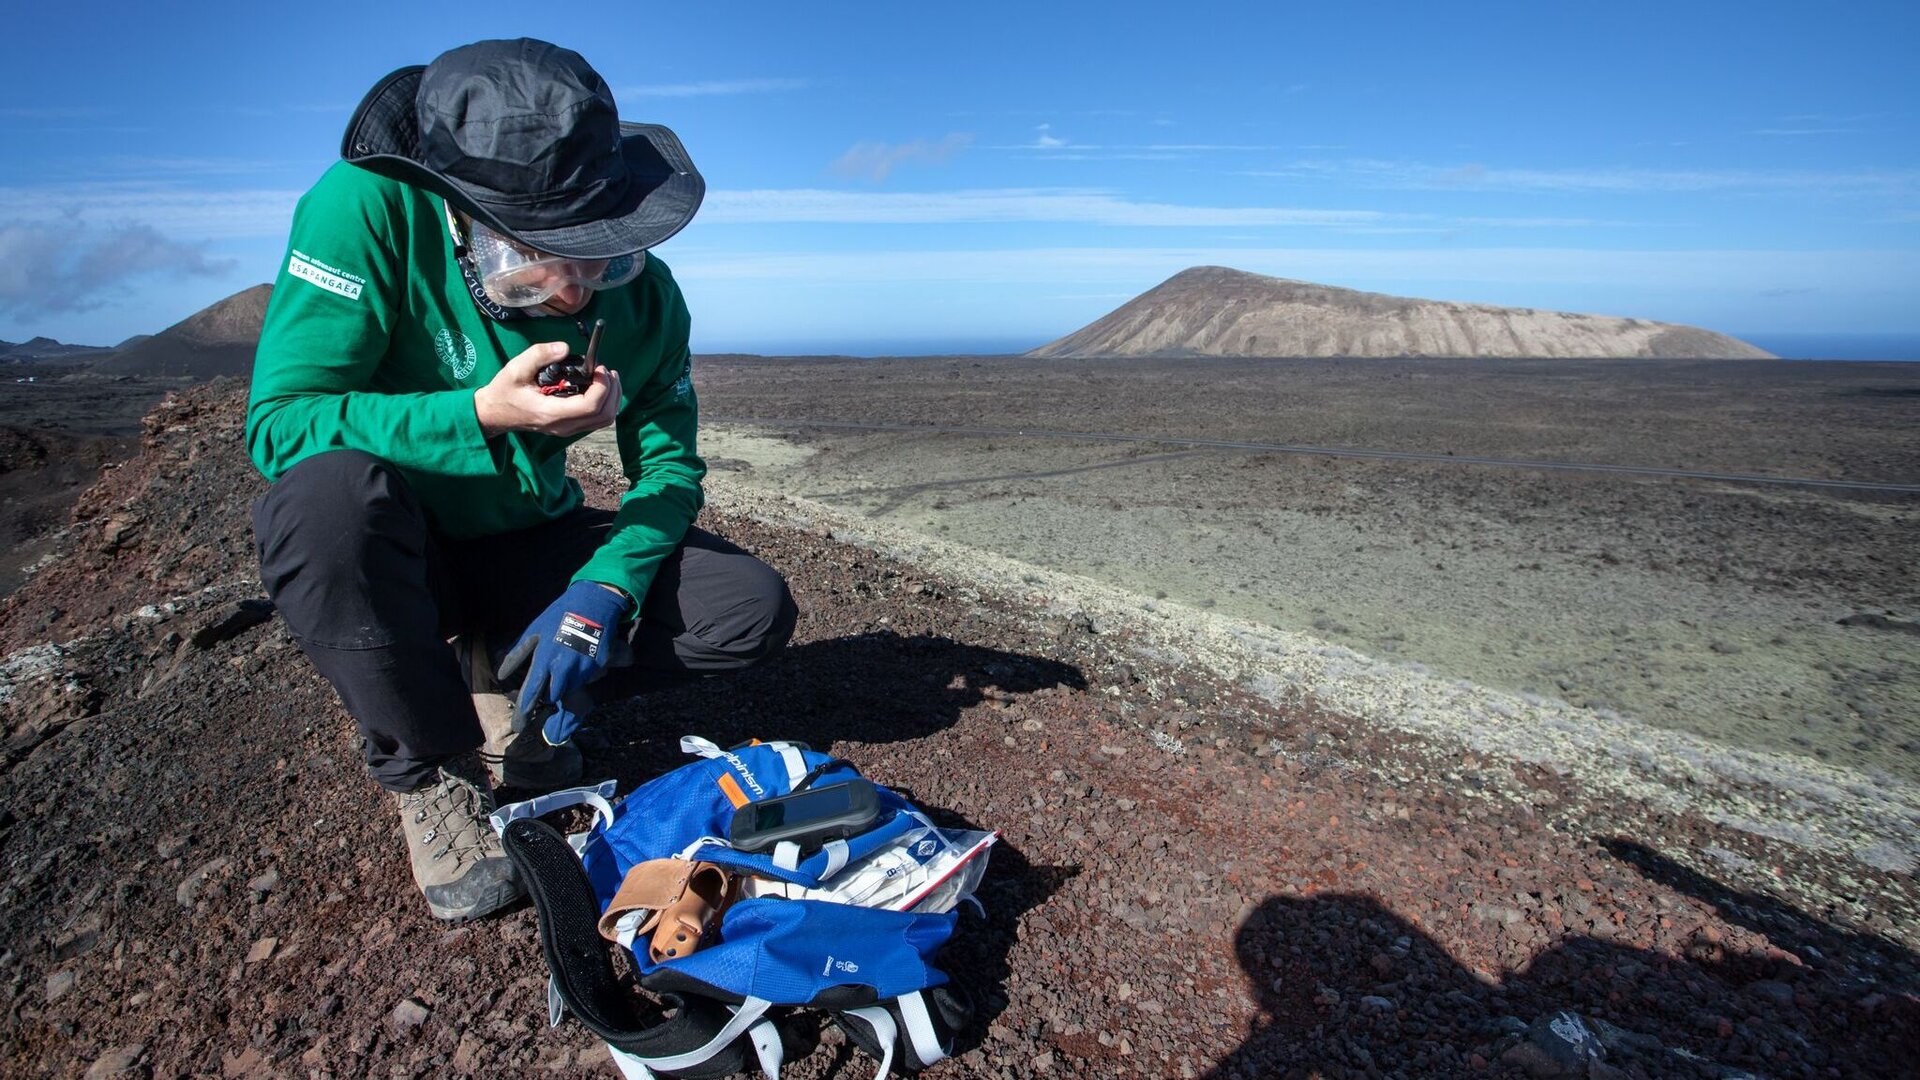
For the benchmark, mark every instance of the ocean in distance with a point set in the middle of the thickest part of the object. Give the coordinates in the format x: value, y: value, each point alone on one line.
x: 1838, y: 346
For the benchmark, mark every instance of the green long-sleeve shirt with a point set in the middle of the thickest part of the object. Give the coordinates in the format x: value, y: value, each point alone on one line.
x: 372, y: 343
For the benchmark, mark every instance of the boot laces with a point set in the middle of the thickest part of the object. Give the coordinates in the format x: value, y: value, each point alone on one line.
x: 456, y: 810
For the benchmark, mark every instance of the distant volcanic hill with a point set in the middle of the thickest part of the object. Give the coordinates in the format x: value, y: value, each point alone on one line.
x: 1218, y: 311
x: 42, y: 349
x: 217, y: 340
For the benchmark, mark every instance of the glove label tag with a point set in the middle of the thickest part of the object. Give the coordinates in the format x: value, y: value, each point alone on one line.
x: 581, y: 634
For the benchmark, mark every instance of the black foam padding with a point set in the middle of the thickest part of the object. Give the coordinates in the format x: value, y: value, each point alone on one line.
x: 845, y: 996
x: 952, y: 1010
x: 862, y: 1035
x: 665, y: 980
x: 947, y: 1005
x: 582, y: 964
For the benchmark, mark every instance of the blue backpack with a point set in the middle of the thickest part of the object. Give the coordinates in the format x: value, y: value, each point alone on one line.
x: 795, y: 944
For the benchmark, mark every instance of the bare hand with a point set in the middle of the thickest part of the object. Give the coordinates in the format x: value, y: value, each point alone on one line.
x: 512, y: 401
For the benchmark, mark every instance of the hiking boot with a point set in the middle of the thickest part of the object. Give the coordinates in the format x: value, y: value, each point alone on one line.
x: 522, y: 759
x: 457, y: 860
x: 515, y: 759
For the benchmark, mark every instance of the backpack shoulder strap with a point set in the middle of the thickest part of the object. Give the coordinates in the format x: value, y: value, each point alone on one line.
x: 702, y: 1040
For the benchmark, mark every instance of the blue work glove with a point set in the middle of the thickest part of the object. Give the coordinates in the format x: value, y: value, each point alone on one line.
x: 563, y: 650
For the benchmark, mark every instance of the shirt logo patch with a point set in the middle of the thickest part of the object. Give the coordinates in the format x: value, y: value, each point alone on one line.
x: 331, y: 278
x: 456, y: 351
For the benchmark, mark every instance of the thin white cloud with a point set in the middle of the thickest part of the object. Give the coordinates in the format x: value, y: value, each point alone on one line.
x: 1203, y: 147
x: 53, y: 268
x: 1830, y: 119
x: 69, y: 181
x: 1076, y: 206
x: 1402, y: 230
x: 712, y: 88
x: 176, y: 165
x: 875, y: 160
x: 173, y: 210
x: 1478, y: 177
x: 1091, y: 207
x: 255, y: 109
x: 1054, y: 146
x: 1539, y: 222
x: 1124, y: 152
x: 50, y: 112
x: 1045, y: 139
x: 1097, y: 155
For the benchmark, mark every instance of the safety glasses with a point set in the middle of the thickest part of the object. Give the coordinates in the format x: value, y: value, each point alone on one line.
x: 514, y: 275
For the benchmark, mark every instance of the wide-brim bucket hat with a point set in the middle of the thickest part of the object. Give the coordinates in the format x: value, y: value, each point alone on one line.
x: 524, y: 136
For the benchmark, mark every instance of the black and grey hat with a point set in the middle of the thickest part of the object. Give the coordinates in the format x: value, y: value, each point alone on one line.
x: 524, y: 136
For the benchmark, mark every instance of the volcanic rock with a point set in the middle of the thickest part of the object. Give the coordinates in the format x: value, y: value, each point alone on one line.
x: 232, y: 621
x: 188, y: 891
x: 408, y: 1016
x: 119, y: 1061
x: 1559, y: 1045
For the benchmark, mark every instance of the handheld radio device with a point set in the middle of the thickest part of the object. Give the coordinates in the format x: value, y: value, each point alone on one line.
x: 573, y: 375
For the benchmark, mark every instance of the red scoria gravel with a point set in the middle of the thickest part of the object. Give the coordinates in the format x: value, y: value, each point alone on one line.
x: 198, y: 880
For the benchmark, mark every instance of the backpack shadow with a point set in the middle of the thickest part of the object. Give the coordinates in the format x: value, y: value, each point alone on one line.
x: 978, y: 956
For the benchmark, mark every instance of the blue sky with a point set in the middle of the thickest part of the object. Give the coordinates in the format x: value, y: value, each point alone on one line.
x: 904, y: 177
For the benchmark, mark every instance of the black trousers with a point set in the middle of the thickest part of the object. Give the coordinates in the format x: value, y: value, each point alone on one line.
x: 372, y: 595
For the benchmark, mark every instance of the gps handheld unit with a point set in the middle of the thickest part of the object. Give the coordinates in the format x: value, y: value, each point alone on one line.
x: 810, y: 817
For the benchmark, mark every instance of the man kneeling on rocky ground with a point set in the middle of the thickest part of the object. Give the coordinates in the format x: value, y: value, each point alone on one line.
x: 421, y: 538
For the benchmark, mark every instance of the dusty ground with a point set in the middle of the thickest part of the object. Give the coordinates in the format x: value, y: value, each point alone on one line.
x: 1704, y: 607
x: 1197, y: 878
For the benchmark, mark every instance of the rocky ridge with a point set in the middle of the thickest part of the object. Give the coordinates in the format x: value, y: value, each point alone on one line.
x: 44, y: 349
x: 1219, y: 311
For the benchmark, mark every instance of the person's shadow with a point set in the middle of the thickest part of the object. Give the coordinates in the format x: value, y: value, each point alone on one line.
x: 1348, y: 988
x: 872, y: 688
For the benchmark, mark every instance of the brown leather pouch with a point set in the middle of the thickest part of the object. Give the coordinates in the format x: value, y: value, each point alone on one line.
x: 682, y: 900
